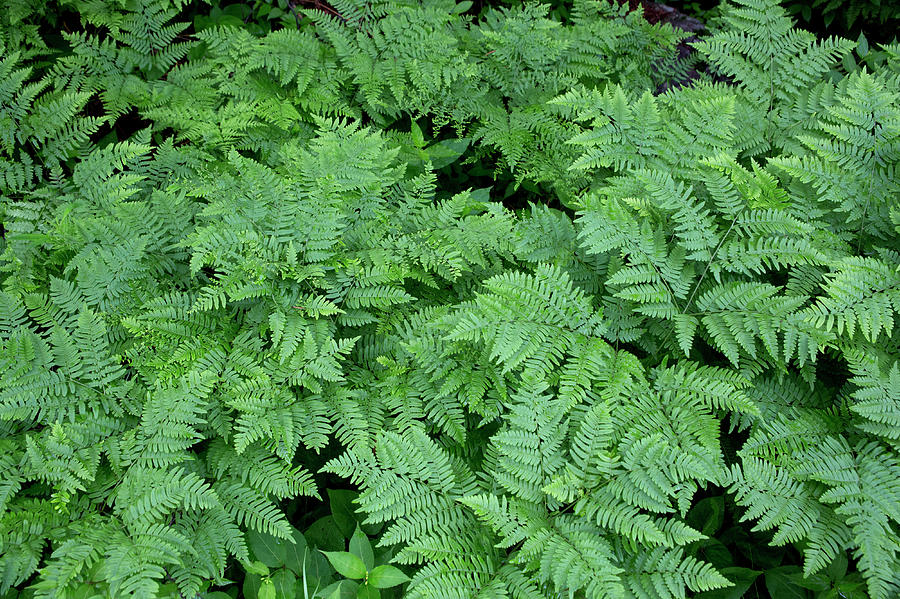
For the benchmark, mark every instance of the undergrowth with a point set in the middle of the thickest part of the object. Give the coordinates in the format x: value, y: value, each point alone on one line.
x: 426, y: 299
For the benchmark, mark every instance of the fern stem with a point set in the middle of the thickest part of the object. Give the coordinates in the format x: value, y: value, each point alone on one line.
x: 709, y: 263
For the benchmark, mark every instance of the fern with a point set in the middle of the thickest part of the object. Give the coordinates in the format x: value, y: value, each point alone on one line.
x: 770, y: 59
x: 233, y: 255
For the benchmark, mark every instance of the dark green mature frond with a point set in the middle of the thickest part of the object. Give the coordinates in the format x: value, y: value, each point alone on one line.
x: 527, y: 319
x: 863, y: 483
x: 771, y: 60
x: 853, y: 157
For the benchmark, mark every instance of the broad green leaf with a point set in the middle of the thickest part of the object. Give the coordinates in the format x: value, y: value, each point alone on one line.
x: 848, y: 63
x: 446, y: 152
x: 482, y: 194
x: 295, y: 552
x: 318, y: 571
x: 343, y: 511
x: 837, y: 569
x: 166, y: 589
x: 251, y: 585
x: 862, y: 45
x: 266, y: 590
x: 229, y: 20
x: 325, y: 534
x: 417, y: 137
x: 372, y: 529
x: 715, y: 552
x: 462, y: 7
x: 387, y: 576
x: 367, y: 592
x: 267, y: 549
x: 848, y: 589
x: 237, y: 10
x: 346, y: 564
x: 362, y: 548
x: 342, y: 589
x: 285, y: 582
x: 707, y: 515
x: 257, y: 567
x: 779, y: 583
x: 815, y: 582
x: 85, y: 591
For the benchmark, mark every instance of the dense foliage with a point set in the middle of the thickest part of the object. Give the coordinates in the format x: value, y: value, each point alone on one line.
x: 538, y: 331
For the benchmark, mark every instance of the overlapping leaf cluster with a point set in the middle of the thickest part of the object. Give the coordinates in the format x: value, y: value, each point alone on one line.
x: 275, y: 265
